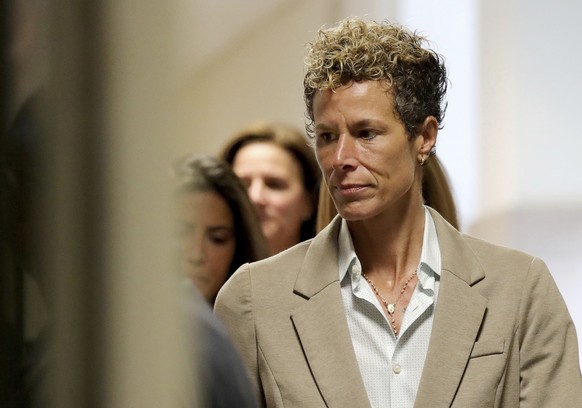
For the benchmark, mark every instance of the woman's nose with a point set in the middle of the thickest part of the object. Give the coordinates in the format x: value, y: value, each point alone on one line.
x: 195, y: 253
x: 345, y: 152
x: 256, y: 191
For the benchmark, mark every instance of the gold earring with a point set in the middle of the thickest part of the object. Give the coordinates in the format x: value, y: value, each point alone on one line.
x: 421, y: 161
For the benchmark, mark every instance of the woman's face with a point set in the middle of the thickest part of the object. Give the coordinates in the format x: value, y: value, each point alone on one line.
x: 368, y: 160
x: 275, y: 185
x: 206, y: 228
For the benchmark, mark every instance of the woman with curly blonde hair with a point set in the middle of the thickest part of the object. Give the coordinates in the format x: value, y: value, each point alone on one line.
x: 390, y: 305
x: 420, y: 92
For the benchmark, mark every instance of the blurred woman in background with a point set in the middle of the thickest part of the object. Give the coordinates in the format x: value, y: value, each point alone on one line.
x: 282, y: 177
x: 218, y: 228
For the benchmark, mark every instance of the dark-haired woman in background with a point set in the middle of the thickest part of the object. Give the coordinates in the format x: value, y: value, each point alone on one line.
x: 219, y: 230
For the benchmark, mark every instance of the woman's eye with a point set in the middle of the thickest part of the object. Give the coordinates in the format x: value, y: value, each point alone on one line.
x: 220, y: 238
x: 324, y: 137
x: 276, y: 184
x: 368, y: 134
x: 220, y: 235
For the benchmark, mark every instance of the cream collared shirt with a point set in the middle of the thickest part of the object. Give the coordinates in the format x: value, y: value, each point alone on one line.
x: 390, y: 368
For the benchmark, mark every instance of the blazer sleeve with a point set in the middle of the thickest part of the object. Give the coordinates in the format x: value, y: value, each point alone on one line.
x: 549, y: 362
x: 234, y: 307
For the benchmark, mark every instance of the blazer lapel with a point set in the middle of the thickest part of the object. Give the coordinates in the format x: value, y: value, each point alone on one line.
x: 322, y: 327
x: 458, y: 316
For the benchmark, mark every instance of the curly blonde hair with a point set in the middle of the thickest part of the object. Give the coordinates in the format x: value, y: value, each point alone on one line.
x: 360, y: 50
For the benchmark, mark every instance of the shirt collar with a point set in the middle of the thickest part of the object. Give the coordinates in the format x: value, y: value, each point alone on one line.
x: 430, y: 257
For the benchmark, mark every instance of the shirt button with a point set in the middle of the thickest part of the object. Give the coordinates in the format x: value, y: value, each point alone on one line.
x: 356, y: 270
x: 396, y: 368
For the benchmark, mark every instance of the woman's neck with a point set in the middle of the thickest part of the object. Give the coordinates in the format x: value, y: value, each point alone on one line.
x: 390, y: 244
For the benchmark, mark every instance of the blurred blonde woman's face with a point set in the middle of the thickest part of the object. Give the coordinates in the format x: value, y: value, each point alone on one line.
x: 206, y: 229
x: 275, y: 185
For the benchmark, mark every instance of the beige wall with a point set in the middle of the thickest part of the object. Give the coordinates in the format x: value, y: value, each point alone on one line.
x: 257, y: 76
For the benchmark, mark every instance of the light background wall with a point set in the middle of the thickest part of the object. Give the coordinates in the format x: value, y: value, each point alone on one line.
x: 510, y: 141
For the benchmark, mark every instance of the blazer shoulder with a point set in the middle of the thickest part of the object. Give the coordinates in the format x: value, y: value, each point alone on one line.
x: 490, y: 249
x: 297, y: 251
x: 275, y: 272
x: 472, y: 258
x: 283, y: 263
x: 505, y: 263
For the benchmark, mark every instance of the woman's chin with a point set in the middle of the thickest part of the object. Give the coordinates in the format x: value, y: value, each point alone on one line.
x: 355, y: 212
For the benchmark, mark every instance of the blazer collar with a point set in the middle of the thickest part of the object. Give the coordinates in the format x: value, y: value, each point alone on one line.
x: 320, y: 267
x: 322, y: 327
x: 458, y: 317
x: 456, y: 256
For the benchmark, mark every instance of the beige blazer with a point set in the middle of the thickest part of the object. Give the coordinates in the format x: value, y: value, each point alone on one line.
x: 501, y: 337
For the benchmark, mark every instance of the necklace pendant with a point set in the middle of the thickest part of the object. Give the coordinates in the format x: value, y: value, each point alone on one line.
x: 391, y: 307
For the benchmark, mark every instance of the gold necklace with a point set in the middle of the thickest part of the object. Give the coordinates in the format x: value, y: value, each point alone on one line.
x: 391, y: 307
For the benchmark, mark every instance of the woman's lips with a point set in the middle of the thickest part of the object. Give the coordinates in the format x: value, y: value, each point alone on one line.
x: 351, y: 189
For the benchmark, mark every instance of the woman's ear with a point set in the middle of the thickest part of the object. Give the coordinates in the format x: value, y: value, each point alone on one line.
x: 426, y: 138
